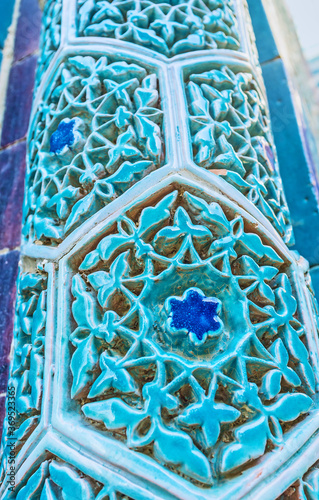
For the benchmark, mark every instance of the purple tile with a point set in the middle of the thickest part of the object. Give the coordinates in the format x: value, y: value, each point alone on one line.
x: 8, y: 272
x: 12, y: 172
x: 2, y: 412
x: 28, y: 29
x: 19, y: 100
x: 4, y: 374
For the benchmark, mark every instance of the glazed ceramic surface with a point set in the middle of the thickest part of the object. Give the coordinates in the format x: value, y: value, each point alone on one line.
x: 165, y: 335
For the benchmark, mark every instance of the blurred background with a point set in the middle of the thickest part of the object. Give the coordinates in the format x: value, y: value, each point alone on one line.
x: 305, y: 16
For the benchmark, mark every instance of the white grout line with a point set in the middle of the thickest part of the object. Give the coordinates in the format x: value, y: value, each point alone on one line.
x: 7, y: 59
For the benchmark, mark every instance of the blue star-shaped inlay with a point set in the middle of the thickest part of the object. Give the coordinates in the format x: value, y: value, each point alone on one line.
x: 63, y: 136
x: 196, y: 314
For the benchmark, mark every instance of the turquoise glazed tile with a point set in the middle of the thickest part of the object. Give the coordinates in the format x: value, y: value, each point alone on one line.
x: 97, y: 156
x: 165, y: 338
x: 167, y: 29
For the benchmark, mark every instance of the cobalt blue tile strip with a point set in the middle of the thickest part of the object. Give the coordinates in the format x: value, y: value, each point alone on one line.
x: 297, y: 165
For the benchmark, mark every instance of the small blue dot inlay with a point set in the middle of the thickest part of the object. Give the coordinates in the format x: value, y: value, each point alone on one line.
x: 195, y: 313
x: 63, y: 136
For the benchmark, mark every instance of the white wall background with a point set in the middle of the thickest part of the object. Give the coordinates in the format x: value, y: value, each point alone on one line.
x: 305, y: 14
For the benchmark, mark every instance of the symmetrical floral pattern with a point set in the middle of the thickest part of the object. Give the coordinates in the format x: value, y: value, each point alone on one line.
x: 57, y: 480
x: 204, y: 408
x: 231, y: 137
x: 171, y: 27
x: 26, y: 377
x: 50, y: 35
x: 116, y: 139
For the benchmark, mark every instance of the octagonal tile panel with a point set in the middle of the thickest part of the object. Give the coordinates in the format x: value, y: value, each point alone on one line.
x: 186, y: 350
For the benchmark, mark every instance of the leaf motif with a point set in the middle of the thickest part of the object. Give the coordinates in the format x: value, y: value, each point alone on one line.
x: 251, y: 439
x: 271, y: 384
x: 177, y: 448
x: 85, y: 14
x: 199, y: 104
x: 84, y: 308
x: 128, y: 173
x: 210, y: 213
x: 182, y: 228
x: 205, y: 142
x: 45, y: 227
x: 112, y: 376
x: 39, y: 316
x: 115, y: 414
x: 208, y: 415
x: 34, y: 485
x: 104, y: 28
x: 119, y: 71
x: 72, y: 484
x: 250, y: 244
x: 289, y: 407
x: 83, y: 363
x: 152, y: 218
x: 91, y: 260
x: 311, y: 485
x: 300, y: 354
x: 108, y: 10
x: 82, y: 209
x: 84, y: 64
x: 49, y: 491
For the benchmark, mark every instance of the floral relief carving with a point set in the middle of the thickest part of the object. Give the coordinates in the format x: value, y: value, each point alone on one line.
x: 50, y: 35
x: 170, y: 28
x: 98, y: 132
x: 57, y: 480
x: 153, y: 380
x: 231, y: 137
x: 306, y: 488
x: 26, y: 376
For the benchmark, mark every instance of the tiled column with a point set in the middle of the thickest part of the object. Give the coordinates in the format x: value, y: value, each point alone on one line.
x: 22, y: 51
x: 165, y: 340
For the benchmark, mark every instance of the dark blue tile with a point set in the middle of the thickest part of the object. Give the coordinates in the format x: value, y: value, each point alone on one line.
x: 19, y: 100
x: 4, y: 374
x: 297, y: 171
x: 12, y: 174
x: 266, y: 45
x: 28, y: 29
x: 8, y: 272
x: 5, y: 19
